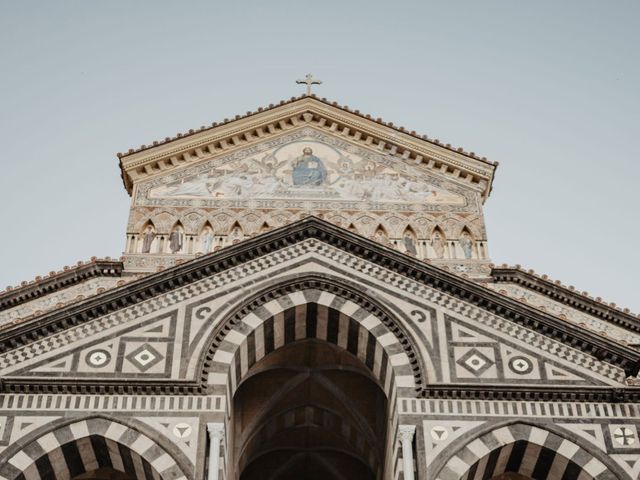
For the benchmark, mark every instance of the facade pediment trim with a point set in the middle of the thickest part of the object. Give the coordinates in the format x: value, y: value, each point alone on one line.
x: 567, y: 295
x: 441, y: 160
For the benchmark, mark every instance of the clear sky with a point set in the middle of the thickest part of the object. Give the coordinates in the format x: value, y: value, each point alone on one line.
x: 548, y: 88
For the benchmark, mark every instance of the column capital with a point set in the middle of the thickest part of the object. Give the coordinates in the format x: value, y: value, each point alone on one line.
x: 406, y: 432
x: 216, y: 430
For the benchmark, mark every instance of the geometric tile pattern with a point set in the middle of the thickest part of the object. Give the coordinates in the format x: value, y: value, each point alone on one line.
x: 86, y: 445
x: 553, y: 348
x: 526, y: 450
x: 485, y: 356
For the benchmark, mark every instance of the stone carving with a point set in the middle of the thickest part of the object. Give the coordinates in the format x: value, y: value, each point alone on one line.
x: 236, y: 235
x: 466, y: 244
x: 437, y: 243
x: 147, y: 239
x: 410, y: 244
x: 206, y: 239
x: 176, y: 239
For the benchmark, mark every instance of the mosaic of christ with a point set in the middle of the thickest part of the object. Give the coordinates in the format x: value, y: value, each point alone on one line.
x: 307, y: 170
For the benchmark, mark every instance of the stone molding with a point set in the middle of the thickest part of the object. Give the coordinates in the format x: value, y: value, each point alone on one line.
x: 64, y: 279
x: 307, y: 111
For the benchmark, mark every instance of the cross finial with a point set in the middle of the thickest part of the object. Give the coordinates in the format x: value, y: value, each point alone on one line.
x: 309, y: 80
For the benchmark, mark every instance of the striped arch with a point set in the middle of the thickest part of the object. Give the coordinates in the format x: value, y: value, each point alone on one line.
x: 315, y: 308
x: 86, y: 445
x: 527, y: 450
x: 305, y: 314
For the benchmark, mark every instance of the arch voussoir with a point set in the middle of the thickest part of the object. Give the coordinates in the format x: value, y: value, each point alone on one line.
x: 86, y: 445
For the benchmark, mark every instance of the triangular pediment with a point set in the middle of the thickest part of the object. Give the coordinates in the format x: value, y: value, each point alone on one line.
x: 135, y: 332
x: 354, y: 130
x: 309, y: 165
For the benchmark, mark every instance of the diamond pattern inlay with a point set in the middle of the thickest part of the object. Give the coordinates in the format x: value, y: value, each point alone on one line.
x: 475, y: 362
x: 144, y: 357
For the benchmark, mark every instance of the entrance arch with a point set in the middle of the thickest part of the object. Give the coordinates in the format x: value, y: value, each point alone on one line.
x: 324, y: 313
x: 91, y: 448
x: 309, y: 410
x: 522, y: 452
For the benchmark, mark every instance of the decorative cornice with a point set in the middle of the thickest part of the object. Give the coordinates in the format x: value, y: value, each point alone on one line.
x: 205, y: 143
x: 471, y: 292
x: 55, y: 281
x: 567, y: 295
x: 498, y: 392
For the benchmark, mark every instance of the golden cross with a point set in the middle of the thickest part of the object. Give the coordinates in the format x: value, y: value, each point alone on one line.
x: 309, y: 80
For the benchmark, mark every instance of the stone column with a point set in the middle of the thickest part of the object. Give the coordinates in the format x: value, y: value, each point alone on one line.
x: 407, y: 433
x: 216, y: 434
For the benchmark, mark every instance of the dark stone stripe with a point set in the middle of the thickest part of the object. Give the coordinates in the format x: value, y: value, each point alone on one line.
x: 312, y: 320
x: 289, y: 325
x: 383, y: 368
x: 516, y: 456
x: 127, y: 461
x: 237, y: 364
x: 148, y: 471
x: 251, y: 349
x: 333, y: 325
x: 73, y: 459
x: 491, y: 464
x: 45, y: 469
x: 371, y: 350
x: 352, y: 338
x: 572, y: 472
x: 543, y: 464
x: 472, y: 471
x: 269, y: 340
x: 101, y: 451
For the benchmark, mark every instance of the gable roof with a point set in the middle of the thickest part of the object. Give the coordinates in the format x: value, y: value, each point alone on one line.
x: 471, y: 292
x: 243, y: 130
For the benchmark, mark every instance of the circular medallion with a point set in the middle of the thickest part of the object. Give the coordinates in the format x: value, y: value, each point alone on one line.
x: 520, y: 365
x: 624, y: 436
x: 98, y: 358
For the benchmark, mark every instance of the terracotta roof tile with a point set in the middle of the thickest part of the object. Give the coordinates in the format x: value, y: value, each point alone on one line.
x: 499, y: 273
x: 346, y: 108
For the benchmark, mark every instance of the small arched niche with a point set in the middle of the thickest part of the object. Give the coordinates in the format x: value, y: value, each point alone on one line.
x: 206, y: 238
x: 380, y: 235
x: 467, y: 244
x: 236, y: 233
x: 309, y: 410
x: 147, y: 238
x: 410, y: 241
x: 438, y: 243
x: 264, y: 228
x: 176, y: 238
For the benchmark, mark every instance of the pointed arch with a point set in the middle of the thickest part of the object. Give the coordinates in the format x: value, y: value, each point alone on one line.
x: 526, y: 449
x: 146, y: 237
x: 71, y: 447
x: 467, y: 243
x: 438, y: 242
x: 176, y: 241
x: 206, y: 237
x: 410, y: 240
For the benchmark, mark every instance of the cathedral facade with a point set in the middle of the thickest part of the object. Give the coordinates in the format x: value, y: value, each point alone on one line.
x: 306, y: 292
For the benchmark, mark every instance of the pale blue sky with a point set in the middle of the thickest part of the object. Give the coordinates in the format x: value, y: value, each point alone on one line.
x: 548, y: 88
